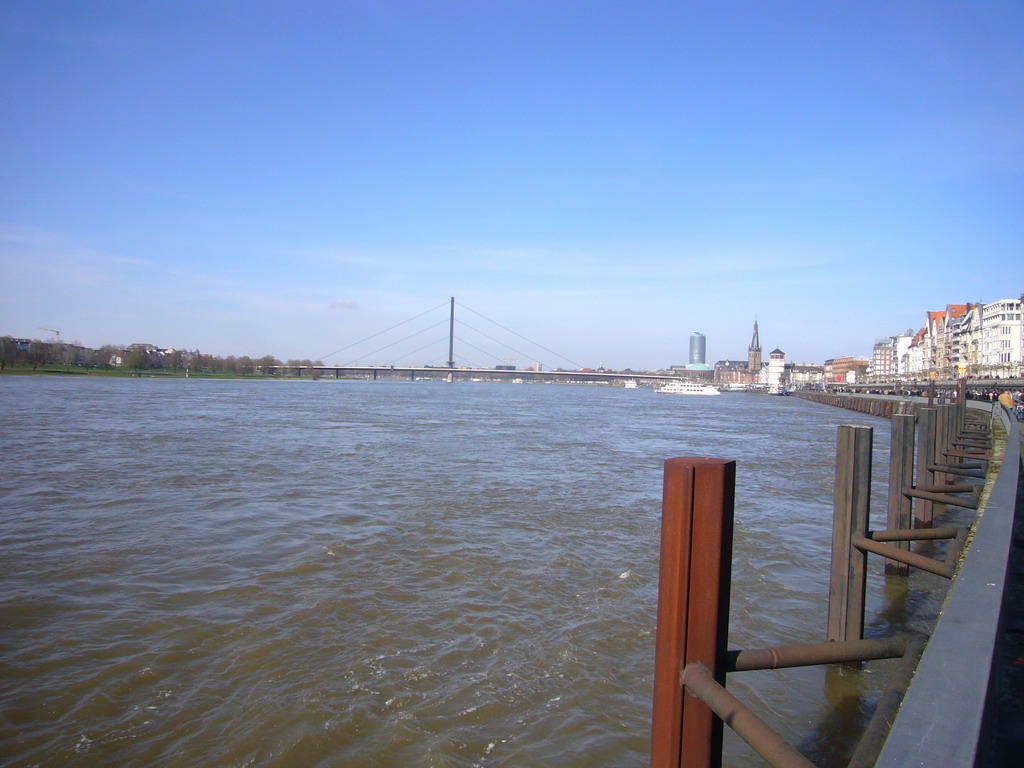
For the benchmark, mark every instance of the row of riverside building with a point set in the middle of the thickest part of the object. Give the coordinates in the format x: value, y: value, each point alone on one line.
x: 776, y: 375
x: 976, y: 341
x: 962, y: 340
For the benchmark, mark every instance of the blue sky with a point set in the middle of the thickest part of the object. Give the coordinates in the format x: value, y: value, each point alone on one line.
x: 603, y: 178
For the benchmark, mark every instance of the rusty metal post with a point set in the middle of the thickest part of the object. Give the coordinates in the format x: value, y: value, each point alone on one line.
x: 942, y: 435
x: 901, y: 475
x: 956, y: 425
x: 943, y: 438
x: 925, y: 458
x: 693, y: 607
x: 847, y: 580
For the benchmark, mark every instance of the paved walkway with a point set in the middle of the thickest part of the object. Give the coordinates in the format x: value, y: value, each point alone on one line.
x: 1008, y: 720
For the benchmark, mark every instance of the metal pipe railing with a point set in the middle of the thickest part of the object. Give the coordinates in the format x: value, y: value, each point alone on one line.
x: 913, y: 559
x: 699, y: 681
x: 914, y: 534
x: 787, y: 656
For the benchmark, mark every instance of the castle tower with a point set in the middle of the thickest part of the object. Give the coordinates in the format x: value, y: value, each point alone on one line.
x: 754, y: 354
x: 776, y: 370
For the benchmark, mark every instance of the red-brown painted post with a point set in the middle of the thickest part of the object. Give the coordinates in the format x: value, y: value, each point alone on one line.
x: 693, y: 607
x: 847, y: 581
x: 901, y: 476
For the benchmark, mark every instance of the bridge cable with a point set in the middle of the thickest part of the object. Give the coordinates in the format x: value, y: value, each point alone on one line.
x: 526, y: 355
x: 388, y: 346
x: 482, y: 351
x: 354, y: 343
x: 413, y: 352
x: 563, y: 357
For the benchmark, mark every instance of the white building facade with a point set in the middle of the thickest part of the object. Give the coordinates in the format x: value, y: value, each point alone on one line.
x: 776, y: 370
x: 964, y: 340
x: 1001, y: 339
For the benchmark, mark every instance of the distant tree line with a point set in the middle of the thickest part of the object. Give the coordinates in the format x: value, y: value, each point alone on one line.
x: 140, y: 357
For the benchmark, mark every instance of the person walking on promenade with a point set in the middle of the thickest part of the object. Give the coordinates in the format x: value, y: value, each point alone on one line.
x: 1006, y: 399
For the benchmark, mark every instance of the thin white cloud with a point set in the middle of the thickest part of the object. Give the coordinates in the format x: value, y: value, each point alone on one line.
x: 575, y: 265
x: 32, y: 252
x: 18, y: 233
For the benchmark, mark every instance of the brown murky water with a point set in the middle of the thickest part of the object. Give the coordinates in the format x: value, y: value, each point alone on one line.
x: 396, y: 574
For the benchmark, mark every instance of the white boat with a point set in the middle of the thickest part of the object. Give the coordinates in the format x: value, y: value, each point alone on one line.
x: 687, y: 388
x: 629, y: 383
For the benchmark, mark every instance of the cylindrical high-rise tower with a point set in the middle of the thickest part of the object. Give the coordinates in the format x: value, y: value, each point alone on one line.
x: 698, y: 349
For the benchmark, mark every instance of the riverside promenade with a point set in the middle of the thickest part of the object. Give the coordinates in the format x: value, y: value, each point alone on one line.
x: 965, y: 705
x: 955, y: 696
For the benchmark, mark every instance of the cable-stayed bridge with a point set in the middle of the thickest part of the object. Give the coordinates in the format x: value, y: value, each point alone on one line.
x: 584, y: 376
x: 428, y: 348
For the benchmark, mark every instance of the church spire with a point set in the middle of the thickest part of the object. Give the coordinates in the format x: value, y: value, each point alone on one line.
x: 754, y: 353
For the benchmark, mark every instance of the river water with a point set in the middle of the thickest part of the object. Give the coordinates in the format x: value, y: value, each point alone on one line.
x: 355, y: 573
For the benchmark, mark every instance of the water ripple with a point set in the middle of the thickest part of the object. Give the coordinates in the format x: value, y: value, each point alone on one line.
x: 378, y: 574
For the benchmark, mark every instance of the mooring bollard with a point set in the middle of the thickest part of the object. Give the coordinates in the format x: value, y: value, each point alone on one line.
x: 852, y: 505
x: 901, y: 476
x: 693, y: 607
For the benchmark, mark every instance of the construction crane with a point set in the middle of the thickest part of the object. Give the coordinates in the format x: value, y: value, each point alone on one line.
x: 52, y: 330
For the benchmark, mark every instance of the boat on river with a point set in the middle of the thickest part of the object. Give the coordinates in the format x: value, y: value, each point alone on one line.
x: 687, y: 388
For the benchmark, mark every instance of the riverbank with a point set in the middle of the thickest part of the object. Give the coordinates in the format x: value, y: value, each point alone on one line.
x: 127, y: 373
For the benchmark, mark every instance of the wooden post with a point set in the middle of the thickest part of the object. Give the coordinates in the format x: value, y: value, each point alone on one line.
x: 850, y: 516
x: 923, y: 508
x: 901, y: 475
x: 693, y: 607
